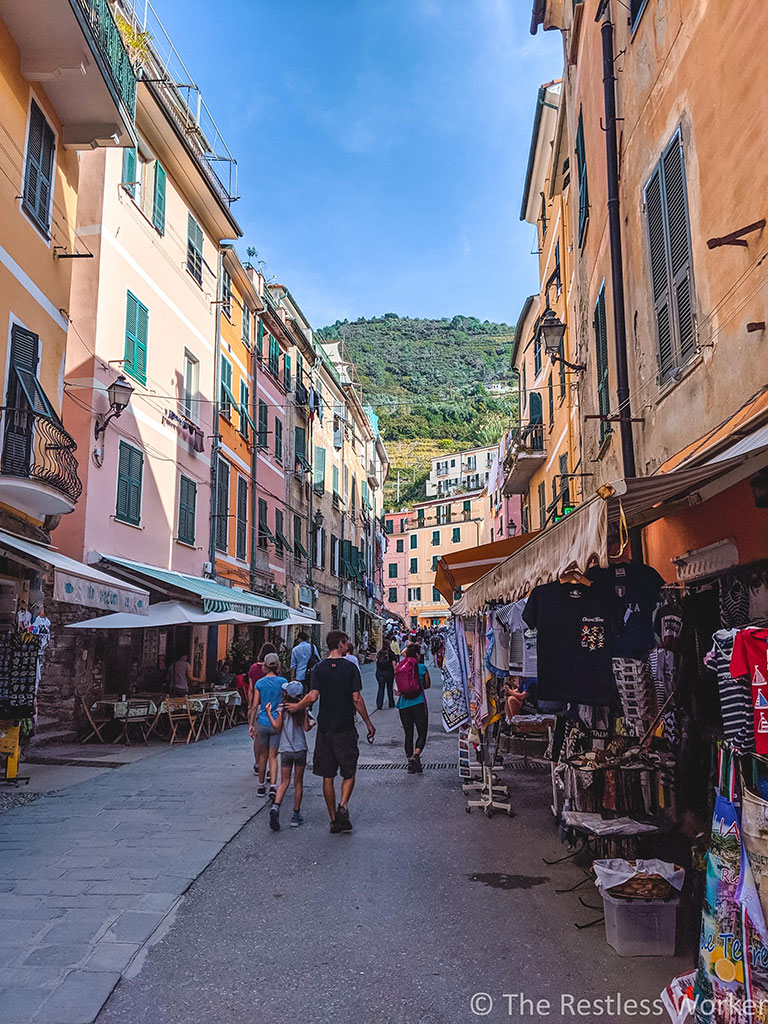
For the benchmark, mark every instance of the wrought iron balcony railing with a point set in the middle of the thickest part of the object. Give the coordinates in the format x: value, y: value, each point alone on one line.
x: 38, y: 447
x: 110, y: 42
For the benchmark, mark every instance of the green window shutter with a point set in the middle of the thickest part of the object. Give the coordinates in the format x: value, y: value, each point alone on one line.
x: 158, y: 203
x: 129, y: 171
x: 246, y: 326
x: 263, y: 424
x: 551, y: 396
x: 245, y: 417
x: 287, y: 373
x: 130, y: 465
x: 300, y: 446
x: 278, y: 439
x: 336, y: 486
x: 393, y: 595
x: 393, y: 570
x: 457, y: 535
x: 222, y: 505
x: 319, y: 480
x: 225, y: 397
x: 581, y: 166
x: 194, y: 249
x: 414, y: 566
x: 38, y: 173
x: 435, y: 538
x: 260, y: 338
x: 136, y: 335
x: 187, y: 509
x: 241, y: 540
x: 601, y: 361
x: 263, y: 527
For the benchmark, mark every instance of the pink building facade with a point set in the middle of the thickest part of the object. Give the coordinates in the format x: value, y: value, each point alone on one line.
x: 395, y: 569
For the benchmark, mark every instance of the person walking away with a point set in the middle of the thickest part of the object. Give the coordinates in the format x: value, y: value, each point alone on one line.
x: 267, y: 690
x: 293, y: 727
x: 411, y: 679
x: 385, y: 675
x: 180, y: 676
x: 255, y: 673
x: 304, y: 657
x: 351, y: 656
x: 394, y: 646
x: 336, y: 683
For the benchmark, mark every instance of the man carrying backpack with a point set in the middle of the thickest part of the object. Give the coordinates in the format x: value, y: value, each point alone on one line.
x: 411, y: 680
x: 304, y: 657
x: 385, y: 674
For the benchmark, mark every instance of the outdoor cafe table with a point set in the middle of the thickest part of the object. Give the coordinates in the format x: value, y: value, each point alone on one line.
x: 209, y: 706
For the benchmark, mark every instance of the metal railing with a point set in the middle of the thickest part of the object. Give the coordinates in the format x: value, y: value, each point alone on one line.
x: 110, y: 42
x: 39, y: 448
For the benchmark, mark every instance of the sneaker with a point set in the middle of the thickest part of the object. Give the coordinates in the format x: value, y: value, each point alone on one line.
x: 412, y: 766
x: 417, y: 765
x: 296, y: 820
x: 272, y: 793
x: 342, y: 819
x: 255, y: 769
x: 336, y: 827
x: 261, y: 790
x: 274, y: 819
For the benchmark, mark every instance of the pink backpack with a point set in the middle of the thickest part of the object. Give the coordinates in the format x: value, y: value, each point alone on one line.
x: 407, y: 679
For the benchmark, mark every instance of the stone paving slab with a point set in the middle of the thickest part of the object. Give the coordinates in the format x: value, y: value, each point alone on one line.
x: 88, y: 874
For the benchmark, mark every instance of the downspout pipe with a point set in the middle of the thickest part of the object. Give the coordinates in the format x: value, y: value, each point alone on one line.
x: 617, y: 263
x: 215, y: 444
x: 254, y: 456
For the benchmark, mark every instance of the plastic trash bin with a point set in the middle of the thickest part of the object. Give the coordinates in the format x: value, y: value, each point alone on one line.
x: 640, y: 927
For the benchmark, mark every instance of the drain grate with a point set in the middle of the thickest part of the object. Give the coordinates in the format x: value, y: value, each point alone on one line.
x: 529, y: 764
x: 401, y: 765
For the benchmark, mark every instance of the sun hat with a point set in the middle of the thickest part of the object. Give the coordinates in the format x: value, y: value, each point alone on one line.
x: 294, y: 689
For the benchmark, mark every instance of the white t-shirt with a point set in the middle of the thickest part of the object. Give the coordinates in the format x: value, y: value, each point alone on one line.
x: 353, y: 659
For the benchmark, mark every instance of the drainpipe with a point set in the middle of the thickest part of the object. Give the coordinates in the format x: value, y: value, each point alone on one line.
x: 617, y: 266
x: 215, y: 444
x: 311, y: 535
x: 254, y: 456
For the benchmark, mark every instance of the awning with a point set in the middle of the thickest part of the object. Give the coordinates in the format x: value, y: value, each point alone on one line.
x: 462, y: 568
x: 167, y: 613
x: 580, y: 539
x: 294, y: 619
x: 77, y: 583
x: 214, y: 596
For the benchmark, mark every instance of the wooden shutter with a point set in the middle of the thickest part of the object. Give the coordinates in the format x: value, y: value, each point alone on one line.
x: 187, y: 509
x: 158, y: 204
x: 263, y: 423
x: 300, y: 445
x: 17, y: 439
x: 136, y: 335
x: 657, y: 246
x: 601, y: 361
x: 38, y: 173
x: 278, y: 439
x: 260, y: 337
x: 194, y: 249
x: 242, y: 518
x: 679, y: 246
x: 129, y: 477
x: 222, y: 505
x: 581, y: 163
x: 551, y: 397
x: 226, y: 388
x: 319, y: 480
x: 263, y: 512
x: 129, y: 171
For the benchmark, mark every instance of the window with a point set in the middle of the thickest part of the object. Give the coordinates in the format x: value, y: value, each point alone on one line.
x: 456, y: 536
x: 187, y: 509
x: 414, y: 566
x: 226, y: 294
x: 393, y: 595
x: 435, y: 538
x: 403, y: 524
x: 601, y: 362
x: 136, y: 335
x: 437, y: 597
x: 158, y: 198
x: 542, y: 504
x: 551, y: 398
x: 263, y: 532
x: 414, y: 593
x: 278, y: 439
x: 337, y: 499
x: 287, y: 372
x: 319, y: 480
x: 260, y: 338
x: 435, y: 560
x: 389, y: 524
x: 298, y: 547
x: 195, y: 249
x: 565, y: 480
x: 581, y: 167
x: 37, y: 194
x: 543, y: 217
x: 130, y: 177
x: 274, y: 356
x: 562, y: 367
x: 222, y: 505
x: 130, y: 468
x: 636, y: 8
x: 393, y: 570
x: 263, y: 428
x: 400, y: 546
x: 523, y: 388
x: 466, y: 508
x: 246, y: 327
x: 226, y: 395
x: 669, y: 244
x: 245, y: 416
x: 334, y: 556
x: 280, y: 541
x: 537, y: 354
x: 420, y: 517
x: 413, y: 542
x: 300, y: 447
x: 241, y: 538
x: 190, y: 386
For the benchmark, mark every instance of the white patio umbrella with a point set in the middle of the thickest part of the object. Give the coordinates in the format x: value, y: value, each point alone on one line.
x: 295, y: 620
x: 166, y: 613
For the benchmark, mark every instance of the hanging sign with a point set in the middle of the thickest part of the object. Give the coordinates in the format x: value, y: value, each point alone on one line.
x: 91, y: 594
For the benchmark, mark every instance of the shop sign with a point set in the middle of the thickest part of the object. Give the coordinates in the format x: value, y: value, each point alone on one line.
x: 78, y: 590
x: 307, y: 596
x: 19, y: 654
x: 706, y: 561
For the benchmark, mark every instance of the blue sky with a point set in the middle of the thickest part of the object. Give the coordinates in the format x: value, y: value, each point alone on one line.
x: 381, y: 145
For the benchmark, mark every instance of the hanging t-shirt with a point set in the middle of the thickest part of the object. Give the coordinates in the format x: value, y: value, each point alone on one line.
x: 750, y: 658
x: 735, y: 695
x: 632, y: 591
x: 573, y: 654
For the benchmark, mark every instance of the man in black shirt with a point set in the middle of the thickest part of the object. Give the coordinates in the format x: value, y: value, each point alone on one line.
x: 337, y: 684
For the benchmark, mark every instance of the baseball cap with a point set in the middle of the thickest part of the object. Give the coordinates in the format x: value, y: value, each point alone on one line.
x: 272, y: 661
x: 294, y: 689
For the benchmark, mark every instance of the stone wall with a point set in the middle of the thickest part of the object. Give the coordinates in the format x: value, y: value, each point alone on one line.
x: 73, y: 665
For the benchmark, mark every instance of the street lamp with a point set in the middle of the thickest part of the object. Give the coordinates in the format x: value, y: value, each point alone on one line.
x: 317, y: 521
x: 551, y: 331
x: 119, y: 393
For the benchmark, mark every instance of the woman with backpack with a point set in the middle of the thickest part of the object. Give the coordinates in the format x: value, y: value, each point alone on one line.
x: 385, y: 675
x: 411, y: 680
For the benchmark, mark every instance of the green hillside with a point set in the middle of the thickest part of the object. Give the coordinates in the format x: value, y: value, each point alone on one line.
x: 428, y: 381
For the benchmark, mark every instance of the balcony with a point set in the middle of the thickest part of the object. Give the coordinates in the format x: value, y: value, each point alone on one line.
x: 75, y: 49
x: 38, y: 468
x: 373, y: 476
x: 526, y: 452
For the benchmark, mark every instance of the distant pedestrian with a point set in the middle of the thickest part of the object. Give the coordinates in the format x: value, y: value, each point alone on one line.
x: 267, y: 690
x: 385, y: 675
x: 394, y: 646
x: 412, y: 679
x: 337, y: 684
x: 351, y: 656
x: 304, y: 657
x: 255, y: 673
x: 293, y: 727
x: 180, y: 676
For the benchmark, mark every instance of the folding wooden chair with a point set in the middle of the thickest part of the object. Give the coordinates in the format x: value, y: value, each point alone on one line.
x: 99, y: 717
x: 139, y: 715
x: 231, y: 709
x: 181, y: 714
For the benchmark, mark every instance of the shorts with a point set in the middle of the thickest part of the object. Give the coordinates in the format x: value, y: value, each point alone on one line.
x: 267, y: 737
x: 297, y: 757
x: 336, y: 752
